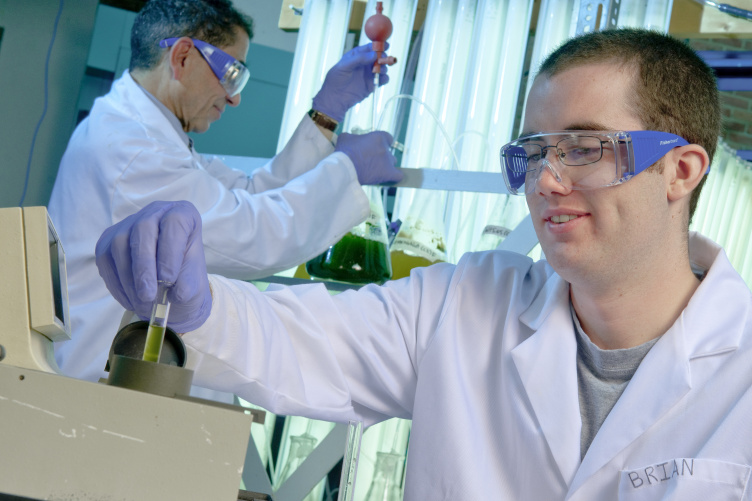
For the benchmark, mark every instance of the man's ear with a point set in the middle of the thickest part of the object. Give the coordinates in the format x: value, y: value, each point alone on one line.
x: 686, y: 166
x: 179, y: 53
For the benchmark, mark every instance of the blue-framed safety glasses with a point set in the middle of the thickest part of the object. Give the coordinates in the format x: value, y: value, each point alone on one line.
x: 583, y: 159
x: 232, y: 74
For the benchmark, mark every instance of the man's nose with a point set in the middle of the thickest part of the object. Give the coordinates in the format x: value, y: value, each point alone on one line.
x: 234, y: 100
x: 549, y: 181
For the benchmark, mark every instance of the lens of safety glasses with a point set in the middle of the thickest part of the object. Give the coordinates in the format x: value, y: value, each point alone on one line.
x: 231, y: 73
x: 235, y: 78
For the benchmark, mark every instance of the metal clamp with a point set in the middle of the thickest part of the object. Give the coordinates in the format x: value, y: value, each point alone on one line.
x: 597, y: 15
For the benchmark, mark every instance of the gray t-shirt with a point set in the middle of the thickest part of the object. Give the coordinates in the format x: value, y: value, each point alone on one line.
x: 602, y: 376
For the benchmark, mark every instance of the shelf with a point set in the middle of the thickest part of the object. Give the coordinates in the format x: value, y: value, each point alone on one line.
x: 733, y: 69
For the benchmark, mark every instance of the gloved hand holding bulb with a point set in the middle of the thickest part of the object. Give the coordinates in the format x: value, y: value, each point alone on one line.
x: 345, y: 85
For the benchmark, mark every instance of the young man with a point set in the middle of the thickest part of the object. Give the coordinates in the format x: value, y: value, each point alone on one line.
x: 616, y: 369
x: 187, y: 66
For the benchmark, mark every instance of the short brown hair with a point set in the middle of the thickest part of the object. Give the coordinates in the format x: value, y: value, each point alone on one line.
x: 674, y: 91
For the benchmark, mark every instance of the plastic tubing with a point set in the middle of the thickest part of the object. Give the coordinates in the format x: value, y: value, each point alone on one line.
x: 504, y: 102
x: 443, y: 130
x: 454, y: 87
x: 448, y: 142
x: 477, y: 101
x: 428, y: 88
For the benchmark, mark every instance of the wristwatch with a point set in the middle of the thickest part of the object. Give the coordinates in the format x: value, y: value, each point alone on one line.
x: 323, y: 120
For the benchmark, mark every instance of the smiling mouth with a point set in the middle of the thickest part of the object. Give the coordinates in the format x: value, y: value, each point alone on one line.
x: 562, y: 218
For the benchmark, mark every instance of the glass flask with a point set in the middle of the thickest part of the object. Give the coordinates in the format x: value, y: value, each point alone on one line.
x: 385, y: 485
x: 418, y: 243
x: 300, y: 447
x: 361, y: 256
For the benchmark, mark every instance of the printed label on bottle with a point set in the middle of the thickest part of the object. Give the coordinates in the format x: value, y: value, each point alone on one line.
x: 422, y: 250
x: 498, y: 231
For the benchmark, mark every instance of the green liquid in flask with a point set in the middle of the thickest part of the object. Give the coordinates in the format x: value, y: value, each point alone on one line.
x: 353, y: 259
x: 154, y: 338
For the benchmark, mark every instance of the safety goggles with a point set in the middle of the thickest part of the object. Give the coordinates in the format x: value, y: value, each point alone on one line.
x: 232, y: 74
x: 582, y: 160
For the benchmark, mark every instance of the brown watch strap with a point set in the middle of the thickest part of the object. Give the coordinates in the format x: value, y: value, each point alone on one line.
x: 323, y: 120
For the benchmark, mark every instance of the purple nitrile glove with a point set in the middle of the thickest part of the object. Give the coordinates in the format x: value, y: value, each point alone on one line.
x: 349, y: 82
x: 161, y: 241
x: 372, y: 156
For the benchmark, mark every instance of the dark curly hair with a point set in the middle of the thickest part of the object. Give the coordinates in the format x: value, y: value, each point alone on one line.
x: 213, y: 21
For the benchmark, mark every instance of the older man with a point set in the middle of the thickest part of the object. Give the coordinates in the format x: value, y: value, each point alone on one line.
x: 187, y: 66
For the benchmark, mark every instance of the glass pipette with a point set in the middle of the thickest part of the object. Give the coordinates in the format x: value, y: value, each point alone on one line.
x: 375, y: 101
x: 158, y: 322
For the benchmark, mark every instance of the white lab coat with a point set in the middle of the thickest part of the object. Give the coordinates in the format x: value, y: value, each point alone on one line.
x: 126, y: 154
x: 482, y: 357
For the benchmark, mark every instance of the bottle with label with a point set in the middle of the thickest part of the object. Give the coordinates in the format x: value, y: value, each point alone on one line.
x: 418, y: 243
x: 361, y: 256
x: 508, y: 212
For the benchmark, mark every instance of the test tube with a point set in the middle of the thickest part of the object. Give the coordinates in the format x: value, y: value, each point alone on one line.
x: 158, y: 322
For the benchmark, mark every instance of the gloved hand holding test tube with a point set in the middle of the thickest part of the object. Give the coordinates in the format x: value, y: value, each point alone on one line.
x: 164, y: 240
x: 157, y: 323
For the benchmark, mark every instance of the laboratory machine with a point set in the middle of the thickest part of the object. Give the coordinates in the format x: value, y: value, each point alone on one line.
x: 136, y: 436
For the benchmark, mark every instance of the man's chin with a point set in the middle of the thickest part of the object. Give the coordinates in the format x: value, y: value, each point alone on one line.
x: 200, y: 128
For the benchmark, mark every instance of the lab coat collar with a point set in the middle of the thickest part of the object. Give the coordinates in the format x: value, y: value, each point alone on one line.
x: 169, y: 115
x: 145, y: 110
x: 722, y: 290
x: 547, y: 368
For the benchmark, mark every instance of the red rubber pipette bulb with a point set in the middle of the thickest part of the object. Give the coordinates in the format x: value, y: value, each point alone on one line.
x: 378, y: 28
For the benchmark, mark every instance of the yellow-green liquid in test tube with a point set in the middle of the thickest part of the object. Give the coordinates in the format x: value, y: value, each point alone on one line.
x: 158, y: 322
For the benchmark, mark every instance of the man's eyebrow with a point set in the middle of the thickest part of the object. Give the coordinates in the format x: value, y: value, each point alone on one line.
x: 572, y: 127
x: 588, y: 126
